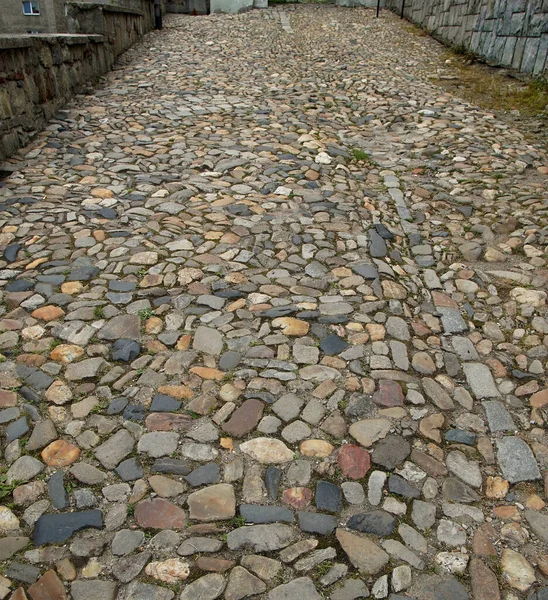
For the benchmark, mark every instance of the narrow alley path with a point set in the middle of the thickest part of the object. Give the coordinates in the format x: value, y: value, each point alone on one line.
x: 274, y: 326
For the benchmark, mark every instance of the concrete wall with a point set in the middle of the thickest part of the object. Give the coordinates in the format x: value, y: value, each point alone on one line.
x: 508, y: 33
x: 40, y: 73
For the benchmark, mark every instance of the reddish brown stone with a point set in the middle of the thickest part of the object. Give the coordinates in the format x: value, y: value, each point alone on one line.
x: 66, y: 353
x: 420, y: 328
x: 207, y: 372
x: 388, y: 394
x: 177, y: 391
x: 443, y: 300
x: 217, y: 565
x: 159, y: 514
x: 31, y: 360
x: 7, y: 399
x: 202, y: 404
x: 14, y: 299
x: 507, y: 513
x: 354, y: 461
x: 66, y: 569
x: 168, y: 422
x: 60, y: 454
x: 432, y: 466
x: 19, y: 594
x: 10, y: 325
x: 202, y: 529
x: 540, y: 399
x: 48, y: 587
x: 484, y: 581
x: 156, y: 347
x: 245, y: 418
x: 298, y: 497
x: 197, y: 288
x: 335, y: 425
x: 28, y: 493
x: 498, y: 369
x: 482, y: 544
x: 48, y: 313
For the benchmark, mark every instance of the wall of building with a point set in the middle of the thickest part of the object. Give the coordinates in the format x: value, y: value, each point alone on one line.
x: 13, y: 20
x: 39, y: 74
x: 508, y: 33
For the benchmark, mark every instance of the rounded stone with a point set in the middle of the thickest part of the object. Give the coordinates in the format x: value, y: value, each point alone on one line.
x: 60, y: 454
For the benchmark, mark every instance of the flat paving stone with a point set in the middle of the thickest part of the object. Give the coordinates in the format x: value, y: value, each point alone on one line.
x: 516, y: 460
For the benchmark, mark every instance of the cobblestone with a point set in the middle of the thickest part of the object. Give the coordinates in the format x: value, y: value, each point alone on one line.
x: 265, y: 281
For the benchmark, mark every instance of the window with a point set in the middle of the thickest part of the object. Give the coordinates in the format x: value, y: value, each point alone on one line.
x: 31, y: 8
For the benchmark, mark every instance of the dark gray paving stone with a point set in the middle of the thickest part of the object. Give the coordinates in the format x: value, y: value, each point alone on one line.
x: 9, y: 414
x: 377, y: 246
x: 57, y: 492
x: 204, y: 474
x: 121, y: 286
x: 164, y: 403
x: 538, y: 523
x: 254, y: 513
x: 137, y: 590
x: 316, y: 522
x: 366, y: 270
x: 125, y: 350
x: 129, y: 470
x: 455, y: 490
x: 54, y: 528
x: 459, y: 436
x: 435, y: 587
x: 328, y: 496
x: 174, y: 466
x: 93, y: 589
x: 128, y: 568
x: 376, y: 522
x: 279, y: 311
x: 20, y: 285
x: 333, y: 344
x: 272, y: 479
x: 39, y: 380
x: 117, y: 406
x: 452, y: 320
x: 22, y: 572
x: 398, y: 485
x: 229, y: 360
x: 540, y: 594
x: 17, y: 429
x: 83, y: 273
x: 264, y: 396
x: 302, y: 588
x: 135, y: 412
x: 391, y: 452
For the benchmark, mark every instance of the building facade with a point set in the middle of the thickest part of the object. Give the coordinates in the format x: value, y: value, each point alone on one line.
x: 32, y: 16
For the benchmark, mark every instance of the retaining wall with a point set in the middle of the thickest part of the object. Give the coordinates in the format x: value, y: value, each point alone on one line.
x: 507, y: 33
x: 40, y: 73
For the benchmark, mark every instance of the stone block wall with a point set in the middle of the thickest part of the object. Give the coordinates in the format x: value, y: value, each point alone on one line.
x: 507, y: 33
x: 40, y: 73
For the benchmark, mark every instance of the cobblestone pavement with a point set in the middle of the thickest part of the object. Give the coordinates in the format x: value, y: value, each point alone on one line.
x: 274, y: 326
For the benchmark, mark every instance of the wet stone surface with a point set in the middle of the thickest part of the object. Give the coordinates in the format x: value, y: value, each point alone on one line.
x: 274, y: 325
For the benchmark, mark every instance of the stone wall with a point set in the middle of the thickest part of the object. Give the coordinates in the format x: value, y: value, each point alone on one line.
x: 40, y: 73
x: 508, y: 33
